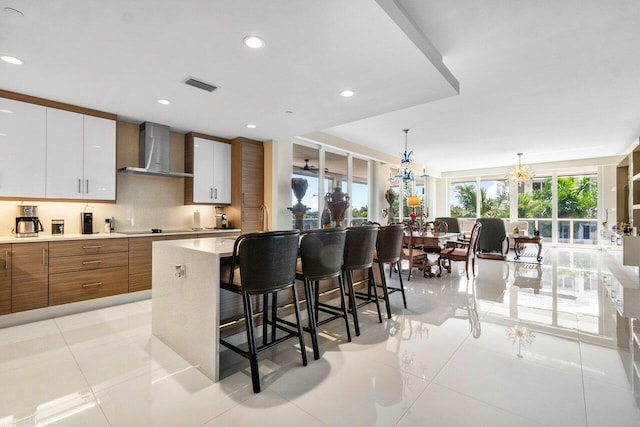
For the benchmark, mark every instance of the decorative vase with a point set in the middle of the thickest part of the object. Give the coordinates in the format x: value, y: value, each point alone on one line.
x: 338, y: 204
x: 299, y: 187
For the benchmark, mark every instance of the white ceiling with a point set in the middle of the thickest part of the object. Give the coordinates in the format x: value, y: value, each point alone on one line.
x: 555, y: 80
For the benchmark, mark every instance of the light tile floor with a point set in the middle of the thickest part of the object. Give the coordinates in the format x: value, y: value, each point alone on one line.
x: 423, y: 367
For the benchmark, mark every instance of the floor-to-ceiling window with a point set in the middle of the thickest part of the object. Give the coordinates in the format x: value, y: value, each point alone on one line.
x: 331, y: 168
x: 494, y: 198
x: 305, y: 166
x: 562, y: 208
x: 360, y: 191
x: 463, y: 196
x: 577, y: 209
x: 534, y: 204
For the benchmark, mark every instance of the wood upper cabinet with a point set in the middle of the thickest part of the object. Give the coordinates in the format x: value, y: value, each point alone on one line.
x: 209, y: 160
x: 29, y: 276
x: 81, y: 156
x: 247, y: 184
x: 5, y: 279
x: 23, y: 149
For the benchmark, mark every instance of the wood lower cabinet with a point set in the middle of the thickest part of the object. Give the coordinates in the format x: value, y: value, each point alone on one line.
x: 83, y: 285
x: 5, y: 279
x: 29, y: 276
x: 86, y: 269
x: 140, y: 262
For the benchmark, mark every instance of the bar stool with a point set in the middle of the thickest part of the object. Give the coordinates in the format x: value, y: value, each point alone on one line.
x: 388, y: 249
x: 321, y: 258
x: 267, y: 264
x: 358, y: 255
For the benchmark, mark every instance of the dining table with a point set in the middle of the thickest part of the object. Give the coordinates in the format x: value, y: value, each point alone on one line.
x: 429, y: 240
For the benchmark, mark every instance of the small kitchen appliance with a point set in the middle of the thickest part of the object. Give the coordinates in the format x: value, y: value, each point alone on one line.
x: 27, y: 222
x: 221, y: 221
x: 86, y: 222
x: 57, y: 226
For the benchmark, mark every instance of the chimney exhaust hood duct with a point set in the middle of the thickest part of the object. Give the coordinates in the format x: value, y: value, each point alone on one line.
x: 153, y: 152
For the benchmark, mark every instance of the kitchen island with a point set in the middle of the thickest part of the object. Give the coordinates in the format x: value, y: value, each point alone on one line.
x: 185, y: 296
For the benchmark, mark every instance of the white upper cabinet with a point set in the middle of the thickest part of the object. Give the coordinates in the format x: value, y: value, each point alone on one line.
x: 22, y: 149
x: 211, y: 171
x: 65, y: 131
x: 99, y: 158
x: 81, y: 156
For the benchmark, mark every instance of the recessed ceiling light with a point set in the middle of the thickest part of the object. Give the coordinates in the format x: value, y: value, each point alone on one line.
x: 254, y: 42
x: 11, y: 59
x: 251, y: 126
x: 164, y: 101
x: 347, y: 93
x: 288, y: 112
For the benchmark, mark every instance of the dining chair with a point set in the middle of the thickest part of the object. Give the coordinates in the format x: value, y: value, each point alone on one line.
x: 412, y: 253
x: 359, y: 245
x: 388, y: 249
x: 453, y: 225
x: 267, y: 265
x: 466, y: 253
x: 321, y: 253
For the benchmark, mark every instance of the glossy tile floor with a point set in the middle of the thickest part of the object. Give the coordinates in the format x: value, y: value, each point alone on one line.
x: 428, y: 365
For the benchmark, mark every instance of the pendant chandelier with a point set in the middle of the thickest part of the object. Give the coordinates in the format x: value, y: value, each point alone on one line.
x: 520, y: 173
x: 405, y: 173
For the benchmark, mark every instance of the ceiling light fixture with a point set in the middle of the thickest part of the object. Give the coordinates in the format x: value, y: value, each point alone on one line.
x: 347, y: 93
x: 251, y: 126
x: 520, y: 173
x: 164, y: 101
x: 254, y: 42
x: 4, y: 110
x: 405, y: 173
x: 11, y: 59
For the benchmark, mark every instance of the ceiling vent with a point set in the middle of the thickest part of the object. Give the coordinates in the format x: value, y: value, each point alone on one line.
x: 200, y: 84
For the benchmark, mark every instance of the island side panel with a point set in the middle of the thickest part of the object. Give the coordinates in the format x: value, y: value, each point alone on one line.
x: 185, y: 309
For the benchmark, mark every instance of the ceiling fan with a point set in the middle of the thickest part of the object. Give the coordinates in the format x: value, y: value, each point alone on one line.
x: 307, y: 168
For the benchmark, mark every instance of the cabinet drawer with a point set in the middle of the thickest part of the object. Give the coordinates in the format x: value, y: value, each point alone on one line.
x: 88, y: 262
x: 83, y: 285
x: 87, y: 247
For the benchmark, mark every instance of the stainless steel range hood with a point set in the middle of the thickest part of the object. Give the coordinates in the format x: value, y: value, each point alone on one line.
x: 153, y: 152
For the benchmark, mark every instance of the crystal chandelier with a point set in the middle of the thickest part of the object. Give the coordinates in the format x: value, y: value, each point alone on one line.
x: 520, y: 173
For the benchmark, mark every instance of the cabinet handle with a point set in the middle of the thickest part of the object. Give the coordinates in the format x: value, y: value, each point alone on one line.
x: 92, y: 247
x: 44, y: 256
x: 216, y: 194
x: 87, y: 187
x: 79, y: 185
x: 6, y: 260
x: 91, y: 262
x: 92, y: 285
x: 211, y: 193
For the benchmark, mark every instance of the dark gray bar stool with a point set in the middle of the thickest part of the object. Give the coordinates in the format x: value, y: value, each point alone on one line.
x: 321, y: 258
x: 267, y: 264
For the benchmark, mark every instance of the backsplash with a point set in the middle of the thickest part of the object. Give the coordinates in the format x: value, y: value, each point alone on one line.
x: 143, y: 202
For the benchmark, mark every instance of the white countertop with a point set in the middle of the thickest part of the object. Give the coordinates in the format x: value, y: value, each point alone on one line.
x: 70, y: 236
x: 222, y: 246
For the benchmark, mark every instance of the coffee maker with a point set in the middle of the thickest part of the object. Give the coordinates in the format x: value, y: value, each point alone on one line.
x: 27, y: 222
